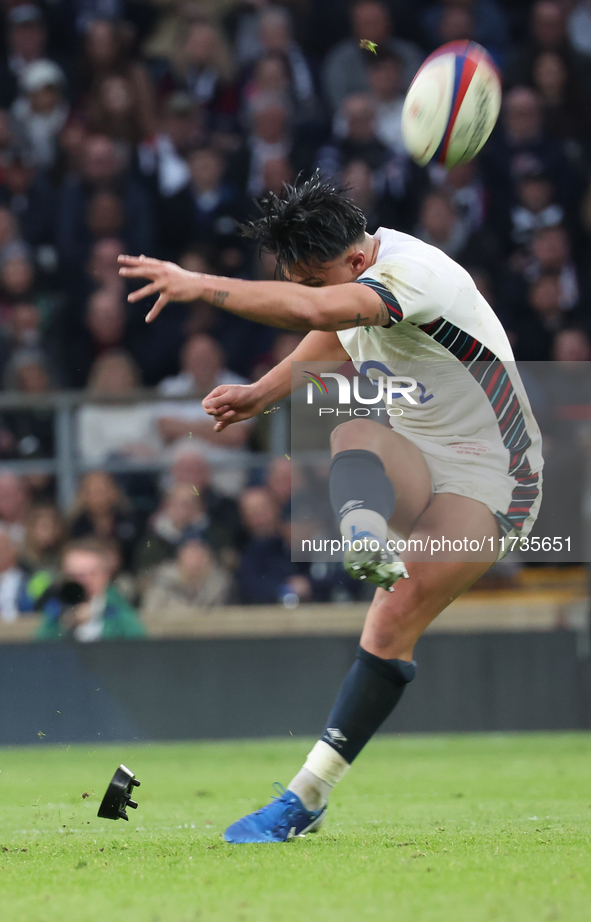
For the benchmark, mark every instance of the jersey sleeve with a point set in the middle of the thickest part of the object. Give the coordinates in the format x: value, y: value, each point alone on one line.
x: 392, y: 305
x: 411, y: 289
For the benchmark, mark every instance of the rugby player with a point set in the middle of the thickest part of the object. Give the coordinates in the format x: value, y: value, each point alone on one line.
x: 466, y: 469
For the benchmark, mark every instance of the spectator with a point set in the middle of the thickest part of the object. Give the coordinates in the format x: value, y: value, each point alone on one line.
x: 105, y: 319
x: 161, y: 157
x: 41, y: 112
x: 521, y: 147
x: 270, y: 138
x: 480, y: 20
x: 390, y: 200
x: 563, y: 104
x: 345, y: 71
x: 548, y: 254
x: 225, y: 531
x: 32, y: 429
x: 203, y: 67
x: 107, y: 55
x: 275, y: 42
x: 354, y: 137
x: 14, y: 598
x: 71, y: 149
x: 270, y: 76
x: 103, y: 167
x: 202, y: 369
x: 441, y: 226
x: 536, y: 329
x: 27, y: 42
x: 25, y: 327
x: 18, y: 283
x: 45, y: 532
x: 266, y: 571
x: 181, y: 514
x: 29, y: 198
x: 551, y: 253
x: 396, y: 182
x: 14, y: 506
x: 102, y: 511
x: 23, y: 330
x: 194, y: 580
x: 102, y: 266
x: 384, y: 71
x: 116, y: 430
x: 113, y: 109
x: 465, y: 188
x: 101, y: 329
x: 547, y: 32
x: 536, y: 209
x: 105, y: 216
x: 571, y: 345
x: 206, y: 211
x: 104, y: 614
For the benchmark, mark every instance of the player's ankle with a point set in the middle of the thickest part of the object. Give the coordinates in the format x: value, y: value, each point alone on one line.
x: 312, y: 791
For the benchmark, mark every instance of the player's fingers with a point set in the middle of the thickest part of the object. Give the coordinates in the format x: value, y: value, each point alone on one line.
x: 160, y: 304
x: 138, y: 260
x: 220, y: 389
x: 143, y: 271
x: 140, y: 293
x: 126, y: 260
x: 214, y: 403
x: 220, y: 426
x: 218, y: 411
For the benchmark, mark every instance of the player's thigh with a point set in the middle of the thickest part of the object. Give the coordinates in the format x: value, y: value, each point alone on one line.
x: 454, y: 529
x: 403, y: 462
x: 396, y: 620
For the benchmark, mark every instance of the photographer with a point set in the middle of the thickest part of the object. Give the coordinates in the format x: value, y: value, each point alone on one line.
x: 85, y: 606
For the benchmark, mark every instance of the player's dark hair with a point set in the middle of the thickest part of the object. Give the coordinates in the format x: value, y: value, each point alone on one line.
x: 311, y: 222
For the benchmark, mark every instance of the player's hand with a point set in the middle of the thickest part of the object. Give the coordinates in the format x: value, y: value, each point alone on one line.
x: 167, y: 280
x: 231, y: 403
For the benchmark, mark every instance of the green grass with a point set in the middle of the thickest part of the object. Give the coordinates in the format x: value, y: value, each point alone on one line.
x: 423, y: 829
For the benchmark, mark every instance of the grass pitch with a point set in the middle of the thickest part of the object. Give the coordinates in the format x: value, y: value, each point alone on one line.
x: 423, y: 829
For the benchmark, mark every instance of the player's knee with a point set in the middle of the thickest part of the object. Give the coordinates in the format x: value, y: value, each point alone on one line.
x: 352, y: 434
x: 392, y: 622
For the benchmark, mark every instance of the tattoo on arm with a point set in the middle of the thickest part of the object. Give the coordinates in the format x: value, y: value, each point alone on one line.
x: 219, y: 298
x: 383, y: 317
x: 358, y: 320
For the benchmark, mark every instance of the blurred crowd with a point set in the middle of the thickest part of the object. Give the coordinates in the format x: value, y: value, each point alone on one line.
x: 151, y: 126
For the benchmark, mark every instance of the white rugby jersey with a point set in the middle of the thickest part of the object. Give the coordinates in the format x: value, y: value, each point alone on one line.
x: 469, y: 399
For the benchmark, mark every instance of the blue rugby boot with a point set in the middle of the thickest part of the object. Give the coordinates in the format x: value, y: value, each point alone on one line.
x: 282, y: 819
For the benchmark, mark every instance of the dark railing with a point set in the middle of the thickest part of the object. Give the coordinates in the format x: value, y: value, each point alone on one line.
x: 68, y: 463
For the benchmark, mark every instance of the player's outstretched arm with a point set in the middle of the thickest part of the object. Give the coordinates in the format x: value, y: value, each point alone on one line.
x: 279, y: 304
x: 231, y: 403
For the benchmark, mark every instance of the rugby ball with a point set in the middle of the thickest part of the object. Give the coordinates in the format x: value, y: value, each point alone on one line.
x: 452, y: 105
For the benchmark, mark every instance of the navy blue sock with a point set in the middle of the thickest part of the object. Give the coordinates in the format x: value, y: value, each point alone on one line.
x: 370, y: 691
x: 357, y: 480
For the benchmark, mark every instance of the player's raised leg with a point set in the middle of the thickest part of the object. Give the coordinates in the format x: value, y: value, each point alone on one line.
x: 377, y: 478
